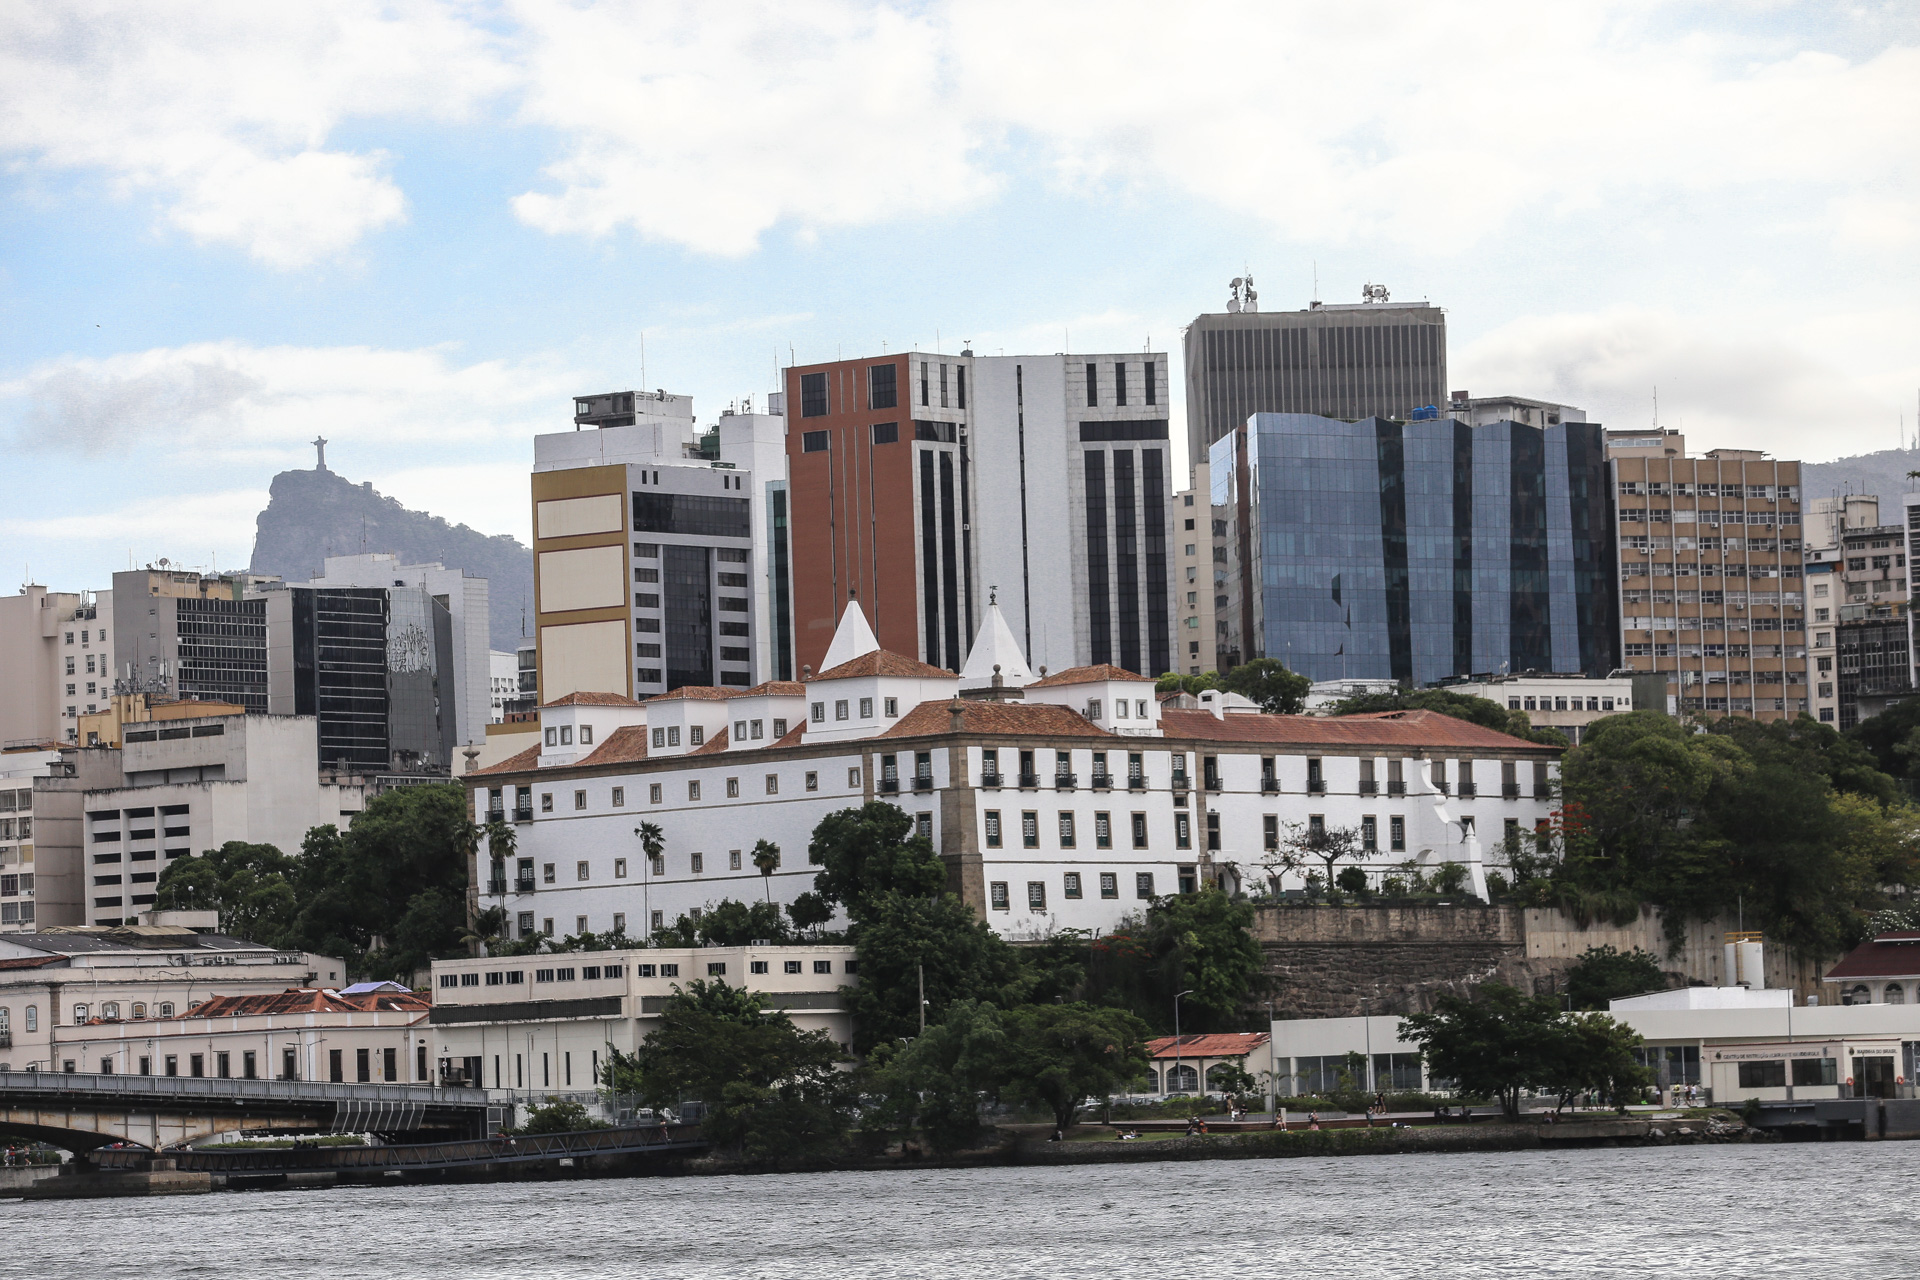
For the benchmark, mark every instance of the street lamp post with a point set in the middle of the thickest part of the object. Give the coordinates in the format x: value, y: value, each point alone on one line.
x: 1176, y: 1032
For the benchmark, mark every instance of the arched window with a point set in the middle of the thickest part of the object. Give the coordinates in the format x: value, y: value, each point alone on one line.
x: 1860, y: 995
x: 110, y: 1010
x: 166, y: 1008
x: 139, y: 1009
x: 1894, y: 994
x: 33, y: 1017
x: 1183, y: 1078
x: 80, y: 1014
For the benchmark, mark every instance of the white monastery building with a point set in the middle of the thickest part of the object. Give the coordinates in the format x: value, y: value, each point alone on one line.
x: 1057, y: 801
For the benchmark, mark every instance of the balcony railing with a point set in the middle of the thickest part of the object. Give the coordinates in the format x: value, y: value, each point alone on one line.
x: 1102, y: 781
x: 497, y: 886
x: 1543, y: 793
x: 497, y: 815
x: 1030, y: 780
x: 1396, y: 788
x: 922, y: 782
x: 1180, y: 782
x: 1065, y: 781
x: 990, y: 779
x: 889, y: 785
x: 1468, y: 790
x: 1213, y: 781
x: 1269, y: 785
x: 523, y: 812
x: 523, y: 885
x: 1316, y: 786
x: 1137, y: 782
x: 1369, y: 787
x: 1509, y: 791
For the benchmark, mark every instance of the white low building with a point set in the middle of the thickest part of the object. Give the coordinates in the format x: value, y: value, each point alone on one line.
x: 541, y: 1024
x: 1568, y: 703
x: 1067, y: 801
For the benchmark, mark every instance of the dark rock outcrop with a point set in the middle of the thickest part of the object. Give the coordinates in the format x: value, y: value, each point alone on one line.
x: 311, y: 515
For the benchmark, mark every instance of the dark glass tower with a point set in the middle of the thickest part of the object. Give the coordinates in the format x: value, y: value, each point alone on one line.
x: 1419, y: 550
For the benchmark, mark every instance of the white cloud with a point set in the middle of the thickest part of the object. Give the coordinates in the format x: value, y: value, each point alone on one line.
x: 231, y: 399
x: 222, y: 108
x: 1726, y: 380
x: 489, y: 496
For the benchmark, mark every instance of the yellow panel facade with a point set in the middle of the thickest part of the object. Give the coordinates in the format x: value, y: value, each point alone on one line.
x: 585, y: 578
x: 570, y: 517
x: 589, y: 657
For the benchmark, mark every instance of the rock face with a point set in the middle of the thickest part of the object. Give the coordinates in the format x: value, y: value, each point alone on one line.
x: 313, y: 514
x: 1883, y: 474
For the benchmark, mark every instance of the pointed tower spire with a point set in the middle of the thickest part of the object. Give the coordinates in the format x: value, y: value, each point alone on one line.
x: 851, y: 638
x: 995, y: 650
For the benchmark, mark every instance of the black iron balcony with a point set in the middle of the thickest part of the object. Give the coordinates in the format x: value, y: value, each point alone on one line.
x: 1137, y: 782
x: 1543, y: 793
x: 923, y: 782
x: 990, y: 779
x: 1030, y: 780
x: 1316, y: 786
x: 1509, y: 791
x: 1065, y: 781
x: 1369, y: 788
x: 1396, y: 788
x: 1102, y: 781
x: 1213, y: 781
x: 497, y: 885
x: 889, y: 785
x: 1469, y: 790
x: 1269, y: 784
x: 497, y: 815
x: 1180, y: 782
x: 524, y: 884
x: 523, y: 812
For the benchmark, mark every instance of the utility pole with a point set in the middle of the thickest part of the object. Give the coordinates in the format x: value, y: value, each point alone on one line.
x: 1176, y: 1033
x: 921, y: 971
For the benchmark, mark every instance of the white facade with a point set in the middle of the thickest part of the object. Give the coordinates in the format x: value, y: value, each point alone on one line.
x: 466, y: 601
x: 542, y: 1024
x: 18, y: 769
x: 57, y: 650
x: 118, y: 816
x: 503, y: 684
x: 1084, y: 574
x: 1051, y: 810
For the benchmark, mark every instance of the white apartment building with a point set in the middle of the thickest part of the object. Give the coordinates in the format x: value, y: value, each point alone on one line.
x: 503, y: 684
x: 1062, y: 802
x: 1552, y: 700
x: 57, y: 650
x: 654, y: 564
x: 53, y: 983
x: 112, y: 818
x: 1199, y: 575
x: 542, y: 1024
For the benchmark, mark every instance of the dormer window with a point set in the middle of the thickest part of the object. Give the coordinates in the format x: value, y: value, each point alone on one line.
x: 659, y: 737
x: 553, y: 737
x: 566, y: 735
x: 892, y: 706
x: 866, y: 708
x: 779, y: 728
x: 1093, y: 709
x: 757, y: 734
x: 673, y: 735
x: 696, y: 734
x: 739, y: 730
x: 586, y: 735
x: 1140, y: 709
x: 840, y: 709
x: 819, y: 713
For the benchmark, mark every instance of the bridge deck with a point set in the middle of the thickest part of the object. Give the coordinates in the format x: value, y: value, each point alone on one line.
x: 634, y: 1140
x: 204, y: 1091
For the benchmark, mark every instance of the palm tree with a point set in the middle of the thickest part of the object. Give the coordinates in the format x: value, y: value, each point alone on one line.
x: 467, y: 839
x: 766, y: 856
x: 653, y: 844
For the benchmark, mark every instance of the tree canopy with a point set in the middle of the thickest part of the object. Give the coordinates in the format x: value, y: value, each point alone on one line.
x: 1267, y: 681
x: 1499, y: 1042
x: 1475, y: 710
x: 1602, y: 974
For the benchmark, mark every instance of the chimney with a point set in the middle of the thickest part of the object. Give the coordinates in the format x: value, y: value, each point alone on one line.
x: 956, y: 722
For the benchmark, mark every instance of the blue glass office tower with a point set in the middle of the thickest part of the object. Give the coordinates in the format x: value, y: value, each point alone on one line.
x: 1418, y: 550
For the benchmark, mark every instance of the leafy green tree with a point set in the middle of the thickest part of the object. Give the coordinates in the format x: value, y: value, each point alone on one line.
x: 936, y: 1082
x: 1174, y: 682
x: 869, y: 851
x: 1352, y: 880
x: 1305, y: 842
x: 903, y: 940
x: 1590, y: 1051
x: 737, y: 924
x: 1495, y: 1043
x: 1268, y: 682
x: 1602, y: 974
x: 1893, y: 739
x: 809, y: 911
x: 559, y: 1115
x: 773, y: 1092
x: 1058, y: 1055
x: 248, y: 884
x: 1196, y: 942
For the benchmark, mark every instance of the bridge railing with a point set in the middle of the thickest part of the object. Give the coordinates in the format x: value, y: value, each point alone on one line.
x: 63, y: 1084
x: 428, y: 1155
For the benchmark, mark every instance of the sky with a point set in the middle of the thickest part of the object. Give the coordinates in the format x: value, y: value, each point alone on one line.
x: 418, y: 230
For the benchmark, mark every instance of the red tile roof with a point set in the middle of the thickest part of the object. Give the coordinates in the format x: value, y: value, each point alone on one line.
x: 695, y: 692
x: 31, y: 962
x: 309, y: 1000
x: 984, y: 716
x: 518, y: 761
x: 1213, y: 1044
x: 1428, y: 730
x: 1890, y: 955
x: 1088, y: 675
x: 793, y: 737
x: 775, y: 689
x: 879, y: 662
x: 624, y: 745
x: 586, y: 698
